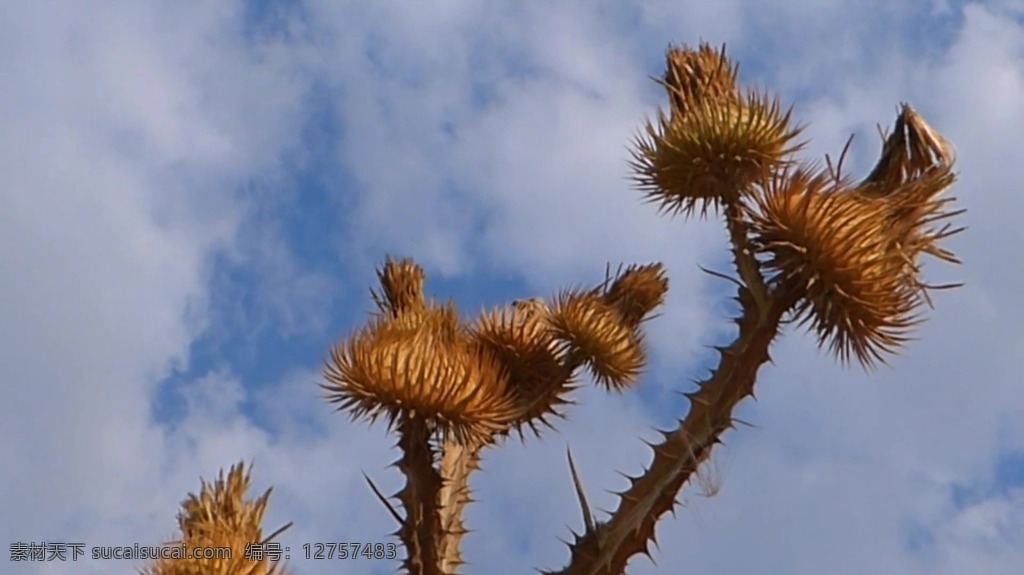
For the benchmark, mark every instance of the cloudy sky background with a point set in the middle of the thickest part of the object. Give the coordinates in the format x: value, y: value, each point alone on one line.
x: 193, y: 198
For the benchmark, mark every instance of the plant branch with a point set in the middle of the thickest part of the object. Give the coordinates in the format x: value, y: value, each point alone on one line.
x: 457, y: 463
x: 743, y: 254
x: 421, y: 530
x: 606, y: 549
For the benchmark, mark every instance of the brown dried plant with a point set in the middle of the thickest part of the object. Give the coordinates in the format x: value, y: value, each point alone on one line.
x: 809, y: 245
x: 453, y: 388
x: 806, y: 242
x: 221, y: 517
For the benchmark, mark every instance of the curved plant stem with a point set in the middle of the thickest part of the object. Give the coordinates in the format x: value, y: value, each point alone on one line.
x: 606, y: 549
x: 743, y: 255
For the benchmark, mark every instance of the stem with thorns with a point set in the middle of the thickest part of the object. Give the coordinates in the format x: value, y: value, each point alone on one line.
x: 457, y: 463
x: 605, y: 549
x: 746, y: 264
x: 421, y: 530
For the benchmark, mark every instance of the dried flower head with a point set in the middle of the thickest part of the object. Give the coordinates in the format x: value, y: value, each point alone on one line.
x: 220, y: 516
x: 713, y: 153
x: 416, y: 366
x: 591, y: 328
x: 836, y: 248
x: 914, y: 169
x: 401, y: 287
x: 695, y: 76
x: 521, y: 341
x: 909, y: 151
x: 636, y: 292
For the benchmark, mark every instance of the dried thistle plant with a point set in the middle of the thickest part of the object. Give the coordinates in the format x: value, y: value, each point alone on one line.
x: 220, y: 517
x: 468, y: 385
x: 808, y: 244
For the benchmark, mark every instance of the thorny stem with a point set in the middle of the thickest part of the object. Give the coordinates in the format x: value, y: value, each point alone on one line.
x: 456, y: 465
x: 746, y: 263
x: 606, y: 549
x: 420, y: 531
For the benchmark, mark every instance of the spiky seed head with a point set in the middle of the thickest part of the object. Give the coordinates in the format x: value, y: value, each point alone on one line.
x: 909, y: 151
x: 522, y: 343
x: 915, y: 209
x: 588, y: 326
x: 836, y: 247
x: 412, y: 367
x: 713, y: 153
x: 636, y: 292
x: 401, y: 284
x: 220, y: 516
x: 914, y: 169
x: 695, y: 76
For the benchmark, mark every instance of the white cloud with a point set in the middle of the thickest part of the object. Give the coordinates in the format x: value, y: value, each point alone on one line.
x: 126, y: 134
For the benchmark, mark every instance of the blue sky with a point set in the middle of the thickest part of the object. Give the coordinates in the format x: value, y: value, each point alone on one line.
x: 195, y: 196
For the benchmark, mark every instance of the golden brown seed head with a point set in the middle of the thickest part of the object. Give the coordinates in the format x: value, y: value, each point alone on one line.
x: 636, y: 292
x: 417, y: 365
x: 713, y: 153
x: 915, y: 168
x: 220, y: 516
x: 694, y: 76
x: 401, y: 287
x: 838, y: 250
x: 586, y: 325
x: 521, y: 341
x: 908, y: 152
